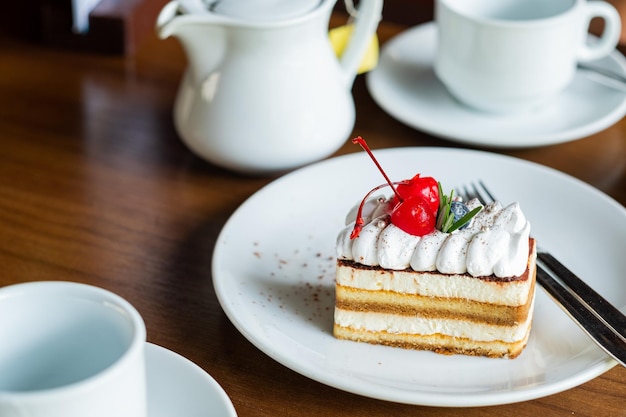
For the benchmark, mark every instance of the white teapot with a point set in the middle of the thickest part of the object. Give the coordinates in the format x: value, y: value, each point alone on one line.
x: 264, y: 91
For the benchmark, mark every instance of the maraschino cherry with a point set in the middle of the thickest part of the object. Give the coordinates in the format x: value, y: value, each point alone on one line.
x: 426, y: 187
x: 415, y: 203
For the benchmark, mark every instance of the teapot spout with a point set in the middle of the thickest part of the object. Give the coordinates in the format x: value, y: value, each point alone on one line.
x: 167, y: 23
x: 202, y: 39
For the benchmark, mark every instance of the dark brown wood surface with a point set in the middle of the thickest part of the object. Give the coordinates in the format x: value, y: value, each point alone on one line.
x: 96, y: 187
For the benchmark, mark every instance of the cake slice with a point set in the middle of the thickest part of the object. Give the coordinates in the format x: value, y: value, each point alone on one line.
x: 466, y: 286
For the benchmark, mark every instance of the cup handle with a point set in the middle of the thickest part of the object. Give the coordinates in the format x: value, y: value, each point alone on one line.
x: 610, y: 36
x: 369, y: 15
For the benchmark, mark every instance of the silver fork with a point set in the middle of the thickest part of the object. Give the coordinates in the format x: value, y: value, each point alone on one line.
x: 602, y: 322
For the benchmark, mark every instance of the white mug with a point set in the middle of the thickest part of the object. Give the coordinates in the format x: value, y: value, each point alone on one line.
x: 511, y: 56
x: 70, y: 350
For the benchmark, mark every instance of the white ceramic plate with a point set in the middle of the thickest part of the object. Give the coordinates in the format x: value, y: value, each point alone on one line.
x: 178, y: 387
x: 405, y: 86
x: 273, y: 271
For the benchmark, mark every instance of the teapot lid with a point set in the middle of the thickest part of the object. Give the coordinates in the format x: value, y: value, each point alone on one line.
x: 262, y: 10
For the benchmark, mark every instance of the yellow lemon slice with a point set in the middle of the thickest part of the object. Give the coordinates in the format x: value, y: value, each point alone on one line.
x: 339, y: 38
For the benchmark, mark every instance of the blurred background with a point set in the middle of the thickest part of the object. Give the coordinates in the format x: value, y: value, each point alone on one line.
x: 118, y: 26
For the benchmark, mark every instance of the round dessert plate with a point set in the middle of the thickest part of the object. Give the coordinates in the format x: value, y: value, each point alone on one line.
x: 178, y: 387
x: 405, y: 86
x: 274, y: 266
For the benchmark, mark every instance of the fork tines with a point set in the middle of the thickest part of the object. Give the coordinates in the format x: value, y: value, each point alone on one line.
x: 471, y: 191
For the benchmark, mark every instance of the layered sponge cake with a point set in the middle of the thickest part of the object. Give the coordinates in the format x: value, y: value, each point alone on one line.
x: 467, y: 291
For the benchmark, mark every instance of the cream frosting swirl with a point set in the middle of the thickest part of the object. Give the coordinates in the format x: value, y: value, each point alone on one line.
x: 494, y: 243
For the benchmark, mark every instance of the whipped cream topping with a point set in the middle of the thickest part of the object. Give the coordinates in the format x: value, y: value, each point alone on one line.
x: 494, y: 243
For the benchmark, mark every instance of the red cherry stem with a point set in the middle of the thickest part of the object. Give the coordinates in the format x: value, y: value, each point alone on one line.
x: 359, y: 140
x: 358, y: 225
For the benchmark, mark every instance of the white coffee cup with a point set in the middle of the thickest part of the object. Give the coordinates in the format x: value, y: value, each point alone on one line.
x: 70, y: 350
x: 510, y: 56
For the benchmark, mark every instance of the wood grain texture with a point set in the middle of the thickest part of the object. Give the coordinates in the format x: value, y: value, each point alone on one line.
x: 96, y: 187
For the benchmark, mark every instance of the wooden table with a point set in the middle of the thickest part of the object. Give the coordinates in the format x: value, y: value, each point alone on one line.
x: 96, y: 187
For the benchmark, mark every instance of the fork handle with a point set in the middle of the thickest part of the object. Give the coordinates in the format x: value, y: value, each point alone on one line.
x: 608, y: 313
x: 609, y: 341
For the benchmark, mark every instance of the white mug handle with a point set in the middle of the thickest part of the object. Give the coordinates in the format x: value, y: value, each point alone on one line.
x: 609, y: 39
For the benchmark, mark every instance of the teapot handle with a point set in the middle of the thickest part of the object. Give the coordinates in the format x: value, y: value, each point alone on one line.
x: 369, y: 15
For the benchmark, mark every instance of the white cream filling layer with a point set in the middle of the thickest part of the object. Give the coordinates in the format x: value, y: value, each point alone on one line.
x: 514, y: 293
x: 398, y: 324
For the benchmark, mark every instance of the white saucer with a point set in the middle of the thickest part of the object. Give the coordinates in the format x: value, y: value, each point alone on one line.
x: 178, y: 387
x: 405, y: 86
